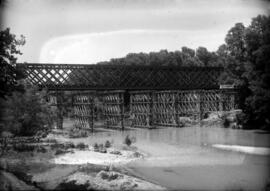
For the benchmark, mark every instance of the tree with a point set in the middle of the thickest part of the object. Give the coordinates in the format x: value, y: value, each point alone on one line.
x: 188, y: 51
x: 235, y: 61
x: 258, y: 74
x: 205, y: 56
x: 28, y: 112
x: 246, y: 59
x: 8, y: 57
x: 235, y: 41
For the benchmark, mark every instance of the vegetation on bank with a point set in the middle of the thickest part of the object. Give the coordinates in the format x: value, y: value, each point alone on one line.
x: 245, y: 55
x: 28, y: 113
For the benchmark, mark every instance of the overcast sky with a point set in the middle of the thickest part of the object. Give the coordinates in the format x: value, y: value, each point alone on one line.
x: 88, y: 31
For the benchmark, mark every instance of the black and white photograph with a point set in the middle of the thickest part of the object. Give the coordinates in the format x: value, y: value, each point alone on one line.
x: 135, y: 95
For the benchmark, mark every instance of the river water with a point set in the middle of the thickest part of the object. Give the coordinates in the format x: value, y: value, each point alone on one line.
x: 185, y: 159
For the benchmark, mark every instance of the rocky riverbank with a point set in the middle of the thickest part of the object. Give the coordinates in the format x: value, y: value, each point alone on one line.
x: 66, y: 165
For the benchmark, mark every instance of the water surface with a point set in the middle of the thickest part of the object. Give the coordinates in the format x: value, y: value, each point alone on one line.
x: 184, y: 159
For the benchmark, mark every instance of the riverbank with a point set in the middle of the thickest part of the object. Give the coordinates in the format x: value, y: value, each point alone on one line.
x: 186, y: 158
x: 67, y: 165
x: 189, y: 158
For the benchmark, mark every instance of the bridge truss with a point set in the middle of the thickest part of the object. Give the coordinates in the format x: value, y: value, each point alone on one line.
x: 158, y: 96
x: 120, y: 77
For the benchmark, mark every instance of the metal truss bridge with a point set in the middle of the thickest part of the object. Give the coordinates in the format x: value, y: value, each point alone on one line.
x: 120, y: 77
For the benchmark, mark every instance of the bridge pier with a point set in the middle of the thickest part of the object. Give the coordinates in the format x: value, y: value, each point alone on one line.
x: 60, y: 109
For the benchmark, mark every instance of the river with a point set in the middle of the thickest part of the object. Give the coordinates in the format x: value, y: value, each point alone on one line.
x: 185, y: 159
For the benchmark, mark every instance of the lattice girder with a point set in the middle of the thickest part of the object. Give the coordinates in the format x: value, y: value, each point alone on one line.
x: 115, y: 77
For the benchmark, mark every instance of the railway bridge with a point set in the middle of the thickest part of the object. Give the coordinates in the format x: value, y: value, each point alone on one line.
x: 149, y: 96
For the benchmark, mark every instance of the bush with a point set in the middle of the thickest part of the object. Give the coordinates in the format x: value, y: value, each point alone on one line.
x: 100, y: 148
x: 109, y: 175
x: 60, y: 152
x: 108, y: 144
x: 27, y: 113
x: 58, y: 146
x: 206, y: 115
x: 69, y: 145
x: 116, y: 153
x: 241, y: 119
x: 127, y: 141
x: 81, y: 146
x: 226, y: 123
x: 95, y: 147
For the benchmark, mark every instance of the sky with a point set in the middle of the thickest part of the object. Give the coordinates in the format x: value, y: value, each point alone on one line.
x: 89, y: 31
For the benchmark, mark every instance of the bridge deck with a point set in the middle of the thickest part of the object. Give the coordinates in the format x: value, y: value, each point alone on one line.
x: 120, y: 77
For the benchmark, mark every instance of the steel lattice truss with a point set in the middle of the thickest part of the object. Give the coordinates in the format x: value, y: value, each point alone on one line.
x: 113, y: 77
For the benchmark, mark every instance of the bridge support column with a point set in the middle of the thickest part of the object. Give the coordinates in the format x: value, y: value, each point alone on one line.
x: 221, y: 101
x: 113, y: 109
x: 83, y: 105
x: 152, y: 113
x: 60, y: 109
x: 122, y: 109
x: 201, y: 109
x: 176, y: 109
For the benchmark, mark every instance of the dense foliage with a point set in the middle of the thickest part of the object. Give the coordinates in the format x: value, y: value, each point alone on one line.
x: 246, y: 57
x: 185, y: 57
x: 8, y: 56
x: 27, y: 113
x: 257, y: 39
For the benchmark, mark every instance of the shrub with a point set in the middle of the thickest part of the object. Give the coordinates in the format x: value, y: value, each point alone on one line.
x: 108, y: 144
x: 69, y: 145
x: 95, y: 147
x: 226, y: 123
x: 206, y: 115
x: 81, y: 146
x: 127, y: 141
x: 116, y: 152
x: 27, y: 113
x: 60, y: 152
x: 58, y: 146
x: 241, y: 119
x: 109, y: 175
